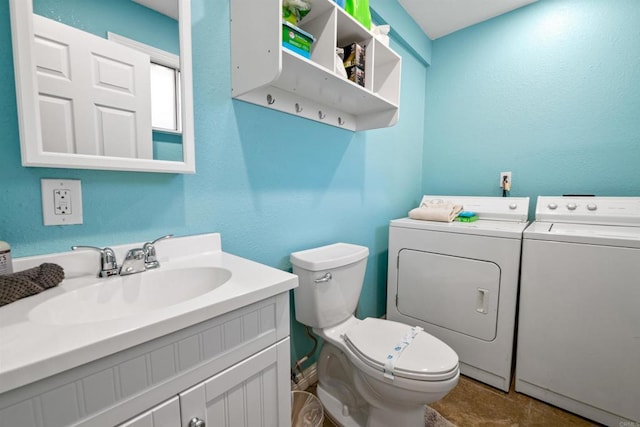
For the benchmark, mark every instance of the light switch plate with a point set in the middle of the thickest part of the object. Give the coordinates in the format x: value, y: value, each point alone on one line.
x: 61, y: 201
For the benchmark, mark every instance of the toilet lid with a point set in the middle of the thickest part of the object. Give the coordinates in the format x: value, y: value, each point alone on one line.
x: 425, y: 358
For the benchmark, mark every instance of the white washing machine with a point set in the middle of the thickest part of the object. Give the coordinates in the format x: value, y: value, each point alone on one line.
x: 459, y: 281
x: 579, y: 321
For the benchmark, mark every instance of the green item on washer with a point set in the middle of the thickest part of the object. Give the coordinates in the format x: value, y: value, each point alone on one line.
x: 467, y: 218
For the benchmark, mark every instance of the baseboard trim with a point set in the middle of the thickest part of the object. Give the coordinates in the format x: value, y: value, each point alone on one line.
x: 305, y: 380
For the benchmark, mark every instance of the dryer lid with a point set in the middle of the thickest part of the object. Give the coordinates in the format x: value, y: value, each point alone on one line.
x: 424, y: 358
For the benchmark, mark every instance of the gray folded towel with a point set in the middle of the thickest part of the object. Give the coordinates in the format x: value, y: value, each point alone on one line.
x: 29, y: 282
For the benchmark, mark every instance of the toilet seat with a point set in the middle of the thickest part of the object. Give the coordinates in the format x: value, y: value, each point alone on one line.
x: 424, y: 358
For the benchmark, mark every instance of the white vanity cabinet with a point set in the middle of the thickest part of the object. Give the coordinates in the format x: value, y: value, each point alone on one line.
x: 233, y: 369
x: 166, y: 414
x: 268, y: 74
x: 245, y: 395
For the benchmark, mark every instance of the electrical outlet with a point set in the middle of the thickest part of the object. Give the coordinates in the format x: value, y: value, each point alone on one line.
x: 506, y: 175
x: 61, y: 201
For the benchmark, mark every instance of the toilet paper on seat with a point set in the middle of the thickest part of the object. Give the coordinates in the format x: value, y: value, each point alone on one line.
x: 392, y: 358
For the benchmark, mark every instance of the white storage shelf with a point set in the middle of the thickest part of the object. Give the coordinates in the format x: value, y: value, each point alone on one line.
x: 267, y: 74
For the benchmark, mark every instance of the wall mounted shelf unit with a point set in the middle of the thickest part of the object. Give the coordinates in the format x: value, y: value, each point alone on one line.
x: 267, y: 74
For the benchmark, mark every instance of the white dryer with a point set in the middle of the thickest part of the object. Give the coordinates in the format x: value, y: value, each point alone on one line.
x: 459, y: 281
x: 579, y: 321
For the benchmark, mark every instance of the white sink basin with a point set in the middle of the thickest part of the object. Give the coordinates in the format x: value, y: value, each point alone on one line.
x: 125, y: 296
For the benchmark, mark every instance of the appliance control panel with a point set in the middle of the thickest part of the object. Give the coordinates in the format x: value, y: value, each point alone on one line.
x: 589, y: 210
x: 514, y: 209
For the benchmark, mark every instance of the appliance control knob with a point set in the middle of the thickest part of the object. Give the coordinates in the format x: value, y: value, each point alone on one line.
x: 513, y: 206
x: 552, y: 206
x: 592, y: 206
x: 572, y: 206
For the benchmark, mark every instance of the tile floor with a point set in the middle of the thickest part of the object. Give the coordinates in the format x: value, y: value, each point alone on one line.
x: 473, y: 404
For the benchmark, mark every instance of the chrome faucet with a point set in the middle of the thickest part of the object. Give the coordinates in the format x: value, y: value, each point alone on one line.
x: 141, y: 259
x: 108, y: 263
x: 133, y: 262
x: 136, y: 261
x: 149, y: 248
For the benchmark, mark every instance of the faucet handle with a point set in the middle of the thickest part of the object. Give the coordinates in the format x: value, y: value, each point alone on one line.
x: 149, y: 248
x: 108, y: 263
x: 133, y: 262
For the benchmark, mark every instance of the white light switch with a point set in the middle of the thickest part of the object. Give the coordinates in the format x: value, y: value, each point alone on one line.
x: 61, y: 201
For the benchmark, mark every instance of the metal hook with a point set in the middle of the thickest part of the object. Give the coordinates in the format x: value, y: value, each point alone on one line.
x: 321, y: 115
x: 340, y: 121
x: 270, y: 99
x: 298, y: 108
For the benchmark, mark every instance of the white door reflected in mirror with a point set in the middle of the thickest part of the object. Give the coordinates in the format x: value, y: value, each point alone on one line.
x: 103, y: 93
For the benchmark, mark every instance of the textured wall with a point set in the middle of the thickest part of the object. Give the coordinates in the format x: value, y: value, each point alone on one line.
x: 550, y: 92
x: 123, y: 17
x: 269, y: 182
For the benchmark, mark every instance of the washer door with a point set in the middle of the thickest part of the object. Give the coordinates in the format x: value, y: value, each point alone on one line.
x: 455, y: 293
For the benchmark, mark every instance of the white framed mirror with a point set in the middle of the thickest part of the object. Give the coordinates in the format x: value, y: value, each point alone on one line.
x: 104, y: 84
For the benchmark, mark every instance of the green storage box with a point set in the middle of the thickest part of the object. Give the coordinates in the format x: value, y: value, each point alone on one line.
x: 297, y: 40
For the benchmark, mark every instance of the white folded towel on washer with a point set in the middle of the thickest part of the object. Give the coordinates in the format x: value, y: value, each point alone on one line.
x: 436, y: 210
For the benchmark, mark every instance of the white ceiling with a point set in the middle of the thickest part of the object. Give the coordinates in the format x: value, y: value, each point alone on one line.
x: 166, y: 7
x: 438, y: 18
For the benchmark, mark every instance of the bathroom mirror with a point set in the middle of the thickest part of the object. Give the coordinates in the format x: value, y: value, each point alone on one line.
x: 87, y: 75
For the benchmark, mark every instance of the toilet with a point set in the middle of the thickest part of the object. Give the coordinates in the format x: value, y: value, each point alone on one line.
x: 371, y: 372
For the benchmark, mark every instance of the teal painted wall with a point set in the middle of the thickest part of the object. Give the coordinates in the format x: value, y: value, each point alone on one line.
x: 270, y: 183
x: 123, y: 17
x: 550, y: 91
x: 405, y: 30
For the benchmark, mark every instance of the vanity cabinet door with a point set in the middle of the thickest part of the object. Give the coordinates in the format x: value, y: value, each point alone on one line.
x: 254, y: 392
x: 166, y: 414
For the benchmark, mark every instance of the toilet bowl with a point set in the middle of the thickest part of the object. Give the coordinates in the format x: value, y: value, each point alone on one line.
x: 371, y: 372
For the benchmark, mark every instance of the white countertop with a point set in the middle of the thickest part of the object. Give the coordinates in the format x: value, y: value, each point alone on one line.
x: 31, y: 351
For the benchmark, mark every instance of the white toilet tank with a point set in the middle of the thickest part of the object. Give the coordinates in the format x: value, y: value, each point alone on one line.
x: 330, y: 281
